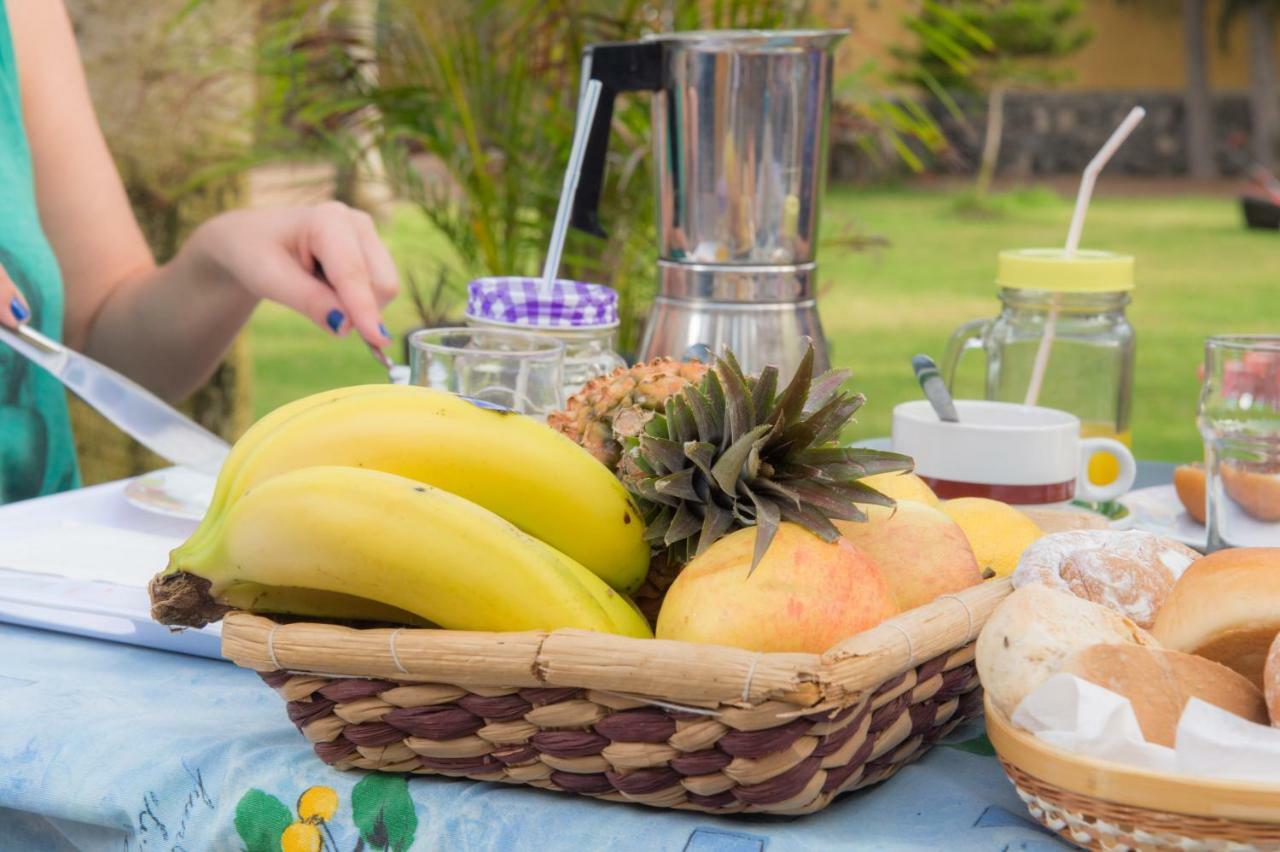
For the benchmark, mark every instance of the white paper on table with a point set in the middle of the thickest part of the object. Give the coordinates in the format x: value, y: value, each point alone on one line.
x: 84, y: 551
x: 79, y: 562
x: 1084, y: 718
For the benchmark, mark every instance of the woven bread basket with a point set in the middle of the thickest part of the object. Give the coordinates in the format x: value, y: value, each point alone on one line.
x: 1099, y: 805
x: 662, y: 723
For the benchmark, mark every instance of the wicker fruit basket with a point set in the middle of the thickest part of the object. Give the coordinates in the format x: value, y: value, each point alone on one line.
x: 662, y: 723
x: 1099, y: 805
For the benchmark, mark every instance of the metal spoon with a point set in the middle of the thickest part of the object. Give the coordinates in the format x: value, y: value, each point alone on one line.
x: 935, y: 390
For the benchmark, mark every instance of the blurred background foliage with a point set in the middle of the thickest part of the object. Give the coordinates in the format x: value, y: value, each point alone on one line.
x: 463, y: 110
x: 988, y: 47
x: 467, y: 110
x: 174, y: 101
x: 453, y: 120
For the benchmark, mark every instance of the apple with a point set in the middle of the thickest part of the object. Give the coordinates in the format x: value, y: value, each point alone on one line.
x: 806, y: 594
x: 921, y: 551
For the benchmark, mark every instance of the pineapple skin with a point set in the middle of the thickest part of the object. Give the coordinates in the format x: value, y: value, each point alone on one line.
x: 620, y: 403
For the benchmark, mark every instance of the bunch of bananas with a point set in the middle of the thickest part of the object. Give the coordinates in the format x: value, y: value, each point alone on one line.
x: 409, y: 505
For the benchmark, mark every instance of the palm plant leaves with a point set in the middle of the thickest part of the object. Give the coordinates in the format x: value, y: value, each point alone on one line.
x: 733, y: 451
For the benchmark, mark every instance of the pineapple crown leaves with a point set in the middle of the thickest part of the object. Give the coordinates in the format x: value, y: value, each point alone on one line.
x: 732, y: 451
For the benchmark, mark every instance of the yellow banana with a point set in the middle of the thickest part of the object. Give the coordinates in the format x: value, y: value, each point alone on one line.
x: 512, y: 465
x: 256, y: 597
x: 243, y: 448
x: 396, y: 541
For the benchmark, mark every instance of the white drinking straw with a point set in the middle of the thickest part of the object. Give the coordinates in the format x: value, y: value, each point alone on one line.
x: 581, y: 132
x: 1083, y: 196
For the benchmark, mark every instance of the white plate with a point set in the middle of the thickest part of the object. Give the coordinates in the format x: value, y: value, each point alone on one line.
x: 175, y: 492
x: 1158, y: 510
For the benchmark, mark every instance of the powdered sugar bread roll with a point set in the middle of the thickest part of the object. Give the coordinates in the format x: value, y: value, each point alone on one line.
x: 1131, y: 572
x: 1271, y: 681
x: 1032, y: 634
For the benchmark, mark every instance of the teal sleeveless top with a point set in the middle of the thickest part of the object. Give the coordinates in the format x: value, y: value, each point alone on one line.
x: 37, y: 455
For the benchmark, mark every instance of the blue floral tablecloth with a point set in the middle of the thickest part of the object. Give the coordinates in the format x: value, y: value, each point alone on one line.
x: 107, y: 746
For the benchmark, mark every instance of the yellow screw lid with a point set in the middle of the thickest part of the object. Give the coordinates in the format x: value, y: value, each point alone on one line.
x: 1053, y: 271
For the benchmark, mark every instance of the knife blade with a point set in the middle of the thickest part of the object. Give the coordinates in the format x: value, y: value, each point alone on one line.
x: 135, y: 410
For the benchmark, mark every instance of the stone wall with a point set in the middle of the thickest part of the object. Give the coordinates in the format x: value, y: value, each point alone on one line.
x: 1052, y: 133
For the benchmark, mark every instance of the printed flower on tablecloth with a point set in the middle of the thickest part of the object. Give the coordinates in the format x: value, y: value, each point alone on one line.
x: 380, y: 808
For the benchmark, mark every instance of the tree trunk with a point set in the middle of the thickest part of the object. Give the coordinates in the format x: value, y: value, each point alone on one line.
x: 991, y: 142
x: 173, y: 94
x: 369, y: 189
x: 1264, y: 108
x: 1199, y: 101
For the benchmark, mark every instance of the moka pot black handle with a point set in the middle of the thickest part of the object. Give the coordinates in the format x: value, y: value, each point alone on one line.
x: 629, y: 66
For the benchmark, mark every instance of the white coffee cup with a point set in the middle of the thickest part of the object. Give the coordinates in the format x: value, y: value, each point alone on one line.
x: 1019, y: 454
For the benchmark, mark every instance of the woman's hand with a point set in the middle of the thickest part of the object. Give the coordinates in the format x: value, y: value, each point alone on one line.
x: 13, y: 307
x: 325, y: 261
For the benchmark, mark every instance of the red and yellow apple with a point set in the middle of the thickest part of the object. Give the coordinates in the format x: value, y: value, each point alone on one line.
x: 921, y: 551
x: 805, y: 595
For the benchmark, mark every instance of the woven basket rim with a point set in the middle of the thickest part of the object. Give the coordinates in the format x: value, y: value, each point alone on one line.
x: 698, y: 674
x: 1129, y: 785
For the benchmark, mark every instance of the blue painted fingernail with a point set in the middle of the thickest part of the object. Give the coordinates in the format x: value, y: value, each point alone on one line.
x: 383, y: 329
x: 18, y: 309
x: 334, y: 320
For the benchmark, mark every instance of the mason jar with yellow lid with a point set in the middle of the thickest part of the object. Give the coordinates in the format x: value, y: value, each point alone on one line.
x: 1079, y: 301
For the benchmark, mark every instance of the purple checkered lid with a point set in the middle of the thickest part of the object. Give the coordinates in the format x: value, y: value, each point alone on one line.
x: 518, y: 301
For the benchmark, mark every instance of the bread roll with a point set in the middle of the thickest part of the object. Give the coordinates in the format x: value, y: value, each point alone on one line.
x: 1189, y: 483
x: 1034, y: 631
x: 1256, y: 492
x: 1129, y: 572
x: 1159, y: 683
x: 1226, y: 607
x: 1271, y: 681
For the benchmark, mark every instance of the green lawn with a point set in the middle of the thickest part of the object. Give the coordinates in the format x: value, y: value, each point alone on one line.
x: 1199, y: 272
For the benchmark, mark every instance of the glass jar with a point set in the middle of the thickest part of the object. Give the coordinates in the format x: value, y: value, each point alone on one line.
x: 581, y: 316
x: 1239, y: 419
x: 588, y: 351
x: 1069, y: 313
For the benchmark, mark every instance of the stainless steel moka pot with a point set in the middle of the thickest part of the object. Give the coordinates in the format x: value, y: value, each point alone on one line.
x: 740, y: 148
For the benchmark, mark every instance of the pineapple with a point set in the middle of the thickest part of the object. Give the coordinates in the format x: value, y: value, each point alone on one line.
x: 619, y: 404
x: 729, y: 452
x: 706, y: 456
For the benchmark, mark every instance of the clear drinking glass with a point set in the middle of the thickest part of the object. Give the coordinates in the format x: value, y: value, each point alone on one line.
x: 1239, y: 419
x: 512, y: 369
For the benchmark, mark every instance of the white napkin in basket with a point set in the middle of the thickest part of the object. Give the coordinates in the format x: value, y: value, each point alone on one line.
x: 1216, y: 744
x: 1082, y: 717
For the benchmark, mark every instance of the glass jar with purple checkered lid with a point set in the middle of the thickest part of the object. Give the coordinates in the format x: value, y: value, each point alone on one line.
x: 582, y: 316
